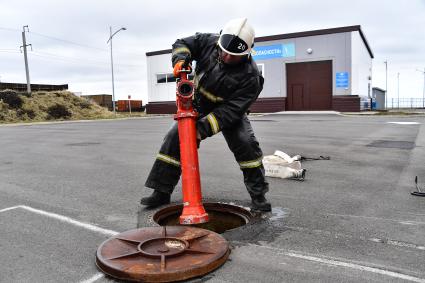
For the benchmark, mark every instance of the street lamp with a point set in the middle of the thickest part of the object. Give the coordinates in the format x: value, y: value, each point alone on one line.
x: 112, y: 64
x: 386, y: 84
x: 398, y: 90
x: 423, y: 94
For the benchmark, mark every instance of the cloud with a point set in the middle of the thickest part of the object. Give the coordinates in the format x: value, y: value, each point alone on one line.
x: 69, y: 37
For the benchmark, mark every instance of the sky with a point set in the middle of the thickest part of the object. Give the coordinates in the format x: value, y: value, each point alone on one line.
x: 69, y: 38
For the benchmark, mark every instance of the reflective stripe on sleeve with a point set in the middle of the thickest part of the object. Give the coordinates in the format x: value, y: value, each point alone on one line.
x: 252, y: 163
x: 213, y: 123
x: 211, y: 97
x: 181, y: 50
x: 168, y: 159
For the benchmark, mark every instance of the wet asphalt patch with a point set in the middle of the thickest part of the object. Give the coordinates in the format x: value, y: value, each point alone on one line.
x: 392, y: 144
x: 83, y: 144
x: 263, y: 227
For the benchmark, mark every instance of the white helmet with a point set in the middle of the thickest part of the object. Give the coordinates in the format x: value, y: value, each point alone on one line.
x: 237, y: 37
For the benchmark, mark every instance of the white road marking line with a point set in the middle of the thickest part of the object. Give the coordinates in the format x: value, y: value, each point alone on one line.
x: 343, y: 264
x: 357, y: 267
x: 397, y: 243
x: 74, y: 222
x: 404, y: 244
x: 94, y: 278
x: 349, y: 236
x: 79, y: 121
x: 290, y: 254
x: 71, y: 221
x: 409, y: 223
x: 65, y: 219
x: 377, y: 218
x: 404, y: 123
x: 10, y: 208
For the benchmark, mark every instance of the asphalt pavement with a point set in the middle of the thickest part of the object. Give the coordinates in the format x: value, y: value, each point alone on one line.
x: 67, y: 187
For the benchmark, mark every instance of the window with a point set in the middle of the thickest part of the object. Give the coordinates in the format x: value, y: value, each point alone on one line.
x: 171, y: 78
x: 161, y: 78
x: 168, y: 78
x: 261, y: 69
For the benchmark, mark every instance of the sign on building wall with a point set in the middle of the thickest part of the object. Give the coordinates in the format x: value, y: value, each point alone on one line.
x: 341, y: 79
x: 273, y: 51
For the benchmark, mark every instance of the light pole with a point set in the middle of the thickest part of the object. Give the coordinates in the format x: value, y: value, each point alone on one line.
x: 386, y: 84
x: 24, y: 46
x: 423, y: 93
x: 112, y: 64
x: 398, y: 90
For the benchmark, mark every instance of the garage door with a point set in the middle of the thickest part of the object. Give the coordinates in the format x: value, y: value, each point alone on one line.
x: 309, y: 85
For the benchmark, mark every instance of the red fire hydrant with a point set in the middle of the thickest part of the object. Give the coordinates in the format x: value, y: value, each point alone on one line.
x: 193, y: 210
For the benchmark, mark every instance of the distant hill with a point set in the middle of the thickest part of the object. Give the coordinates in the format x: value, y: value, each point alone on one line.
x: 47, y: 106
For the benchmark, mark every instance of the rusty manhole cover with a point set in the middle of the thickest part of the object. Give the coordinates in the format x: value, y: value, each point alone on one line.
x: 162, y: 254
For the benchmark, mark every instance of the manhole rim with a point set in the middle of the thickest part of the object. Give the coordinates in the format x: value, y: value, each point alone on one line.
x: 240, y: 211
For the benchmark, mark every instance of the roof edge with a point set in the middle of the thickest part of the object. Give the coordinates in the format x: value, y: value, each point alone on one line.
x: 378, y: 88
x: 366, y: 43
x: 159, y: 52
x: 297, y: 34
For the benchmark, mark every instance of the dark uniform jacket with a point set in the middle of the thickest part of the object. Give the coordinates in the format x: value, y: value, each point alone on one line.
x: 223, y: 93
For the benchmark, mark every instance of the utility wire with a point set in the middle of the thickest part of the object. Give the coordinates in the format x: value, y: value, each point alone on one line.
x: 63, y: 58
x: 70, y: 42
x: 82, y: 45
x: 55, y: 38
x: 9, y: 51
x: 46, y: 54
x: 77, y: 60
x: 68, y: 60
x: 10, y: 29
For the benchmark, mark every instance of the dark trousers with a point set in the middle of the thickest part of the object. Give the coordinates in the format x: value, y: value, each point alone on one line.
x: 241, y: 140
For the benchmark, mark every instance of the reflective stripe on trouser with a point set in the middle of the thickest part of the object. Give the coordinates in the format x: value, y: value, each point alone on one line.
x: 251, y: 163
x: 168, y: 159
x: 215, y: 127
x: 165, y: 172
x: 241, y: 141
x: 246, y: 149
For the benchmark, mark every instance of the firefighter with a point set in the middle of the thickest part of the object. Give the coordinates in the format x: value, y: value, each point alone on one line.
x: 227, y: 82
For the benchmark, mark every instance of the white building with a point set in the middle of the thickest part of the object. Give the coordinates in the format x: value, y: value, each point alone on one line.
x: 328, y: 69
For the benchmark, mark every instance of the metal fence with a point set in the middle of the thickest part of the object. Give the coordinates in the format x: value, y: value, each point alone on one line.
x: 413, y: 103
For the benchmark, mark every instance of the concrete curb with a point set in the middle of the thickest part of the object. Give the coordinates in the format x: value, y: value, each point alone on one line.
x: 78, y: 121
x: 305, y: 113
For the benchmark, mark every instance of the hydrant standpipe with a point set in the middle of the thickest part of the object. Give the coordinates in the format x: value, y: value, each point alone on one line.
x: 193, y: 210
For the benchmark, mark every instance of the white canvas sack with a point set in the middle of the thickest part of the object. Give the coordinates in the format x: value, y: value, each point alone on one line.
x: 281, y: 165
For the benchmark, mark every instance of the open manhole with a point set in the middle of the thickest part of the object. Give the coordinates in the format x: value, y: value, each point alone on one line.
x: 222, y: 216
x: 162, y: 254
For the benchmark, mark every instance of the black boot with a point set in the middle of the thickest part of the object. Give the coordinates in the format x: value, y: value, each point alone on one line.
x: 260, y: 203
x: 157, y: 198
